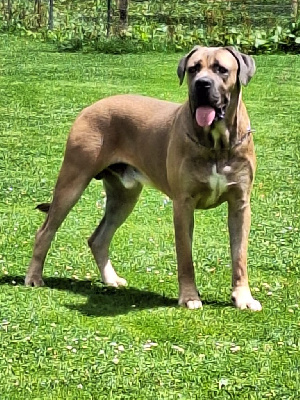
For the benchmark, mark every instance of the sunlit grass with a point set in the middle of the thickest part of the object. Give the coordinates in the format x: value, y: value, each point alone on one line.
x: 75, y: 339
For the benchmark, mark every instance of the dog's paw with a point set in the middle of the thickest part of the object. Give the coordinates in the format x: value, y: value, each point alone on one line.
x: 190, y: 301
x: 110, y: 277
x: 194, y: 304
x: 34, y: 280
x: 117, y: 282
x: 242, y: 299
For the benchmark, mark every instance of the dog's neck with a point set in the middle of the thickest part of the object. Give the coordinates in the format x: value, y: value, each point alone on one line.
x: 226, y: 133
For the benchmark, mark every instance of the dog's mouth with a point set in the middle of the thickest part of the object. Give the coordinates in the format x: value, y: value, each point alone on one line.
x: 206, y: 115
x: 208, y: 102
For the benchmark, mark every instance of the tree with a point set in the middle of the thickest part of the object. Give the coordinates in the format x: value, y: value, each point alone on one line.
x: 38, y: 12
x: 295, y: 8
x: 50, y: 19
x: 122, y: 6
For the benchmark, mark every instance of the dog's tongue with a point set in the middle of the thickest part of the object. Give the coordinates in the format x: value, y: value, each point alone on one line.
x: 205, y: 116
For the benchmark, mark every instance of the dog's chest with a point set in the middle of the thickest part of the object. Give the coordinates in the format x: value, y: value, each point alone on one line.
x: 218, y: 184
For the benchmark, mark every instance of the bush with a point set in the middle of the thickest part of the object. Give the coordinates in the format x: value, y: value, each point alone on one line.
x: 160, y: 26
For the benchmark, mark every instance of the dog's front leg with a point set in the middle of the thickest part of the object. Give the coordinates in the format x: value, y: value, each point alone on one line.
x: 184, y: 225
x: 239, y: 219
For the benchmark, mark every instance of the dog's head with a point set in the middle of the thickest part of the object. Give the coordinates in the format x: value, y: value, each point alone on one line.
x: 213, y: 74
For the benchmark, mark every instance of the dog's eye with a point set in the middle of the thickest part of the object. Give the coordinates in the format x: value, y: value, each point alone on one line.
x: 195, y: 68
x: 221, y: 70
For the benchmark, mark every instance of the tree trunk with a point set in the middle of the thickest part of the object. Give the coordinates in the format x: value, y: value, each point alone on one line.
x: 9, y: 9
x: 122, y: 6
x: 108, y: 18
x: 50, y: 20
x: 295, y: 8
x: 38, y: 12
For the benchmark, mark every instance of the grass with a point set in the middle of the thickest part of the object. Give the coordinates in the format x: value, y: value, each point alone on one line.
x: 75, y: 338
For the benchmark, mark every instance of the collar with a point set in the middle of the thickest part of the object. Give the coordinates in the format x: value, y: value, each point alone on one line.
x: 238, y: 143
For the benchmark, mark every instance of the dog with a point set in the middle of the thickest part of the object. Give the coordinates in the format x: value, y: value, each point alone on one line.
x: 199, y: 153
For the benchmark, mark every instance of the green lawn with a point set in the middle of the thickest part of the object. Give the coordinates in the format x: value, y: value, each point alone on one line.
x: 74, y: 338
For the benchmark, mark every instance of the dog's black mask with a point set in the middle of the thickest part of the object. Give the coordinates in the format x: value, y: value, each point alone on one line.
x: 208, y: 100
x: 204, y: 93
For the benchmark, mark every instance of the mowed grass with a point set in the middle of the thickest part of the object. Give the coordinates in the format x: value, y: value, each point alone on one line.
x: 76, y: 339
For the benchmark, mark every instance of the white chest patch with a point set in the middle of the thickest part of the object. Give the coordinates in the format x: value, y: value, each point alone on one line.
x: 218, y: 184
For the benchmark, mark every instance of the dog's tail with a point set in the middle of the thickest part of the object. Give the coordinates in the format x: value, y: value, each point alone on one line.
x: 44, y: 207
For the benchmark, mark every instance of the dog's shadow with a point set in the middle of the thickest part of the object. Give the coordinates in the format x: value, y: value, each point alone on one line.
x: 107, y: 301
x: 101, y: 300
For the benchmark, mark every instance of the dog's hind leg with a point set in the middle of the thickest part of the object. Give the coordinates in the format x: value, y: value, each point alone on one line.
x: 119, y: 204
x: 71, y: 183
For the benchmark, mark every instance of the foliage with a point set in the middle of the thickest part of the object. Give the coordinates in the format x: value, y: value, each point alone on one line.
x: 76, y: 339
x: 253, y: 26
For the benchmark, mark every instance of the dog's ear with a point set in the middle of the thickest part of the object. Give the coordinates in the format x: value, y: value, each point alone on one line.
x: 246, y: 65
x: 182, y: 64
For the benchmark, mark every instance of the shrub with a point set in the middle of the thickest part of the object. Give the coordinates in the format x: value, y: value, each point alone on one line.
x: 161, y: 26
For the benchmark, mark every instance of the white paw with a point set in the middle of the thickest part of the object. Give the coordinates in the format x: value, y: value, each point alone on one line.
x: 243, y: 299
x: 194, y: 304
x: 190, y: 300
x: 110, y: 277
x: 118, y: 282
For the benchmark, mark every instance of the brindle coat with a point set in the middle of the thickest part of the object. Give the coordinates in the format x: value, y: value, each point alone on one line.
x: 129, y: 140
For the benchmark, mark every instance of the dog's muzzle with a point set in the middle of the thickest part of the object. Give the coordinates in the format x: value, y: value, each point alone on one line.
x: 208, y: 103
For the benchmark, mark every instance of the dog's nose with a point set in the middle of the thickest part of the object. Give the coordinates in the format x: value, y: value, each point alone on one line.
x: 203, y: 83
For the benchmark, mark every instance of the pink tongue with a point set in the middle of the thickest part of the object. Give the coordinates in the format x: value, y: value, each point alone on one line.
x: 205, y: 116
